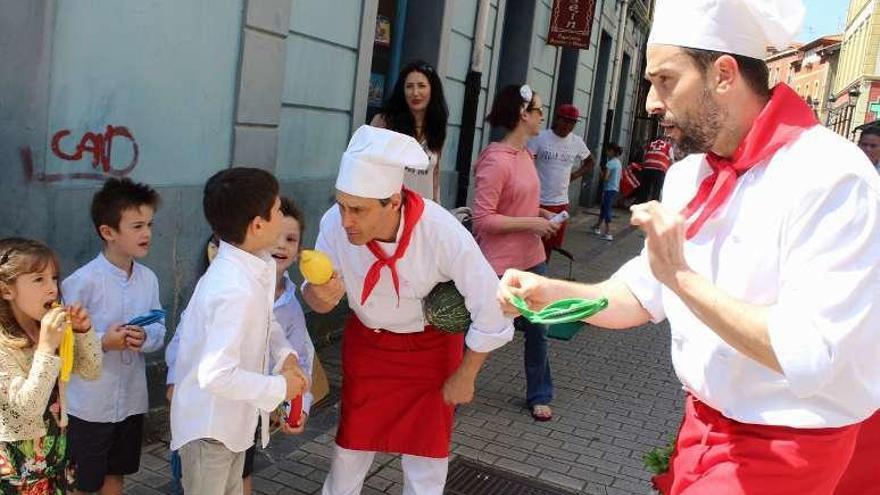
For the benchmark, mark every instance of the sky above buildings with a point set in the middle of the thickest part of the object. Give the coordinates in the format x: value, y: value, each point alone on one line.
x: 823, y: 17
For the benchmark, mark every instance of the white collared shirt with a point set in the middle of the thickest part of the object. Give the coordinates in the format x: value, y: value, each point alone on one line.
x: 112, y: 297
x: 290, y: 316
x: 800, y: 235
x: 228, y: 335
x: 440, y: 250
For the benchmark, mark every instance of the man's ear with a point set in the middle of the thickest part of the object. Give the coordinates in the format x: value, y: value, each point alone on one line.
x: 106, y: 232
x: 256, y: 225
x: 726, y: 73
x: 396, y: 201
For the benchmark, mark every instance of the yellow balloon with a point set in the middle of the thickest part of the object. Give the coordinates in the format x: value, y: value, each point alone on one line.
x: 315, y: 267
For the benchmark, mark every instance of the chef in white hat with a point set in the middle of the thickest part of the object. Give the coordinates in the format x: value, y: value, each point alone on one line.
x: 765, y: 258
x: 401, y: 376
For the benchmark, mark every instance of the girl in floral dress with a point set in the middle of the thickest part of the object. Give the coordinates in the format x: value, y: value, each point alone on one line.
x: 33, y: 444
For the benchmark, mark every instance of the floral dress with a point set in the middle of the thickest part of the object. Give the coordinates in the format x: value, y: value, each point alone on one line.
x: 38, y: 466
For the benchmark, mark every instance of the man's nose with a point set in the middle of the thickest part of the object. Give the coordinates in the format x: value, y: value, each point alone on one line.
x: 653, y: 105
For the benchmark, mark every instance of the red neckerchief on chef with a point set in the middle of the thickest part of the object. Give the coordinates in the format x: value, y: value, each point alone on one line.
x: 413, y: 206
x: 784, y: 118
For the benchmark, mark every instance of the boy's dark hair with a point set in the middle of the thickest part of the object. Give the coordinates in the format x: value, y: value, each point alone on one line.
x: 754, y: 71
x: 118, y: 195
x: 289, y: 208
x: 398, y: 116
x: 508, y: 107
x: 614, y: 147
x: 234, y: 197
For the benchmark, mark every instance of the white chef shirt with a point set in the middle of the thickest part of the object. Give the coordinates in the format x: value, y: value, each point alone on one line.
x: 111, y: 297
x: 440, y: 249
x: 228, y: 334
x: 801, y: 235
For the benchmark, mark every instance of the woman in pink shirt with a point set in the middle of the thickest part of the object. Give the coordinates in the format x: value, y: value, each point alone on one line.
x: 509, y: 224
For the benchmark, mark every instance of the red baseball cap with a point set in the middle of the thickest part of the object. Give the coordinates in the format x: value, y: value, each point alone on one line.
x: 568, y: 111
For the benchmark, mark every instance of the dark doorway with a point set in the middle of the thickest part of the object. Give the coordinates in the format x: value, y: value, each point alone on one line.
x: 568, y: 65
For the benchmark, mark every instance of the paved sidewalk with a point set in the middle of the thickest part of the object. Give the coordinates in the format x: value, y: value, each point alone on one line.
x: 616, y: 398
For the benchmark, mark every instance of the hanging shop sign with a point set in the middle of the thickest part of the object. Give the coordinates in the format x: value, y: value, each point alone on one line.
x: 571, y: 22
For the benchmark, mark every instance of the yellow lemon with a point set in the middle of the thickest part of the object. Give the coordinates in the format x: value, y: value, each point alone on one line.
x: 315, y: 266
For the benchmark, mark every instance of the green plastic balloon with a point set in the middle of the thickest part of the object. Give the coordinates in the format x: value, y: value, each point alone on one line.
x: 562, y: 311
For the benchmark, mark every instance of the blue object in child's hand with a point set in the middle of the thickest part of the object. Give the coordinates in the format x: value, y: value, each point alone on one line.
x: 153, y: 316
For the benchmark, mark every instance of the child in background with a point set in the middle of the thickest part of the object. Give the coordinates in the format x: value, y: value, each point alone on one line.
x: 33, y: 453
x: 107, y: 415
x: 289, y: 314
x: 611, y: 186
x: 228, y: 334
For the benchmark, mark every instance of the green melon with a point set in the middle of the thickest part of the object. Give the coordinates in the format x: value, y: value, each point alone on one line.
x: 445, y: 309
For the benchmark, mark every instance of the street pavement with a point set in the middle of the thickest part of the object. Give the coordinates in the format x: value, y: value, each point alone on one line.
x: 616, y: 398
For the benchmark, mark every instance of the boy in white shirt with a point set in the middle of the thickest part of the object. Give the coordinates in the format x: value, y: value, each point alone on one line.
x: 107, y: 414
x: 228, y: 335
x: 289, y: 314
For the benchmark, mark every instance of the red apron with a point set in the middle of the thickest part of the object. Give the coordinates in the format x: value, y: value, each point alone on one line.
x: 392, y: 390
x: 719, y: 456
x: 862, y: 476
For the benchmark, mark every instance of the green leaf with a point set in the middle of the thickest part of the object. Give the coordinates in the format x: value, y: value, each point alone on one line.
x: 657, y: 460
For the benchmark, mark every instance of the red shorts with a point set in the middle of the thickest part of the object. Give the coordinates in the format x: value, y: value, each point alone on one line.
x: 556, y: 240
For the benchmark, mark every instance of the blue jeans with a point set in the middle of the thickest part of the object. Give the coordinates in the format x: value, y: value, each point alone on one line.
x: 608, y: 198
x: 539, y: 383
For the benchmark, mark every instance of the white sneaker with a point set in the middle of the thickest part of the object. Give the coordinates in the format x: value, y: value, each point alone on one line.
x: 597, y: 231
x: 608, y: 237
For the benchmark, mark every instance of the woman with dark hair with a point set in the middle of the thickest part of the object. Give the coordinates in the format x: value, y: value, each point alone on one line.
x: 509, y: 223
x: 418, y: 108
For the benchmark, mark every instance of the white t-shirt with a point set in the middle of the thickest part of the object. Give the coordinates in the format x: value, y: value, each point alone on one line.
x: 422, y: 181
x: 554, y: 158
x: 802, y: 239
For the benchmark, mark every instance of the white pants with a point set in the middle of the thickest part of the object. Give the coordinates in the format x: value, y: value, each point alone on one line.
x: 421, y: 475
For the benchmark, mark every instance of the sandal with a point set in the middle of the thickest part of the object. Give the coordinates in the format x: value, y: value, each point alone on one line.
x: 542, y: 412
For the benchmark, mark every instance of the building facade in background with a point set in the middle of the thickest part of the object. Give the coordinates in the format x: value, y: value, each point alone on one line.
x: 169, y: 93
x: 809, y: 69
x: 855, y: 97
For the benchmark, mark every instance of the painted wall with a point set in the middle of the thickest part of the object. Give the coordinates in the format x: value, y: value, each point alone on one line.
x: 161, y: 73
x: 319, y: 87
x: 460, y: 49
x: 89, y: 84
x: 544, y: 62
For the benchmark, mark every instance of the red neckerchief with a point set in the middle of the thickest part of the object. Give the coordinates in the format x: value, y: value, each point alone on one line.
x: 413, y: 206
x: 784, y: 118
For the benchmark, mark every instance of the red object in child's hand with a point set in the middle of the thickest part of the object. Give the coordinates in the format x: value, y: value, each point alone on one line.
x: 294, y: 411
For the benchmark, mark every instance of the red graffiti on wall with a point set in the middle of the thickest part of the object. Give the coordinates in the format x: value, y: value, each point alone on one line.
x: 100, y: 146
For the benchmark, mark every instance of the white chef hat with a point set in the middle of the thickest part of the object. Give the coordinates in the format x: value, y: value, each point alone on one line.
x: 740, y: 27
x: 373, y: 165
